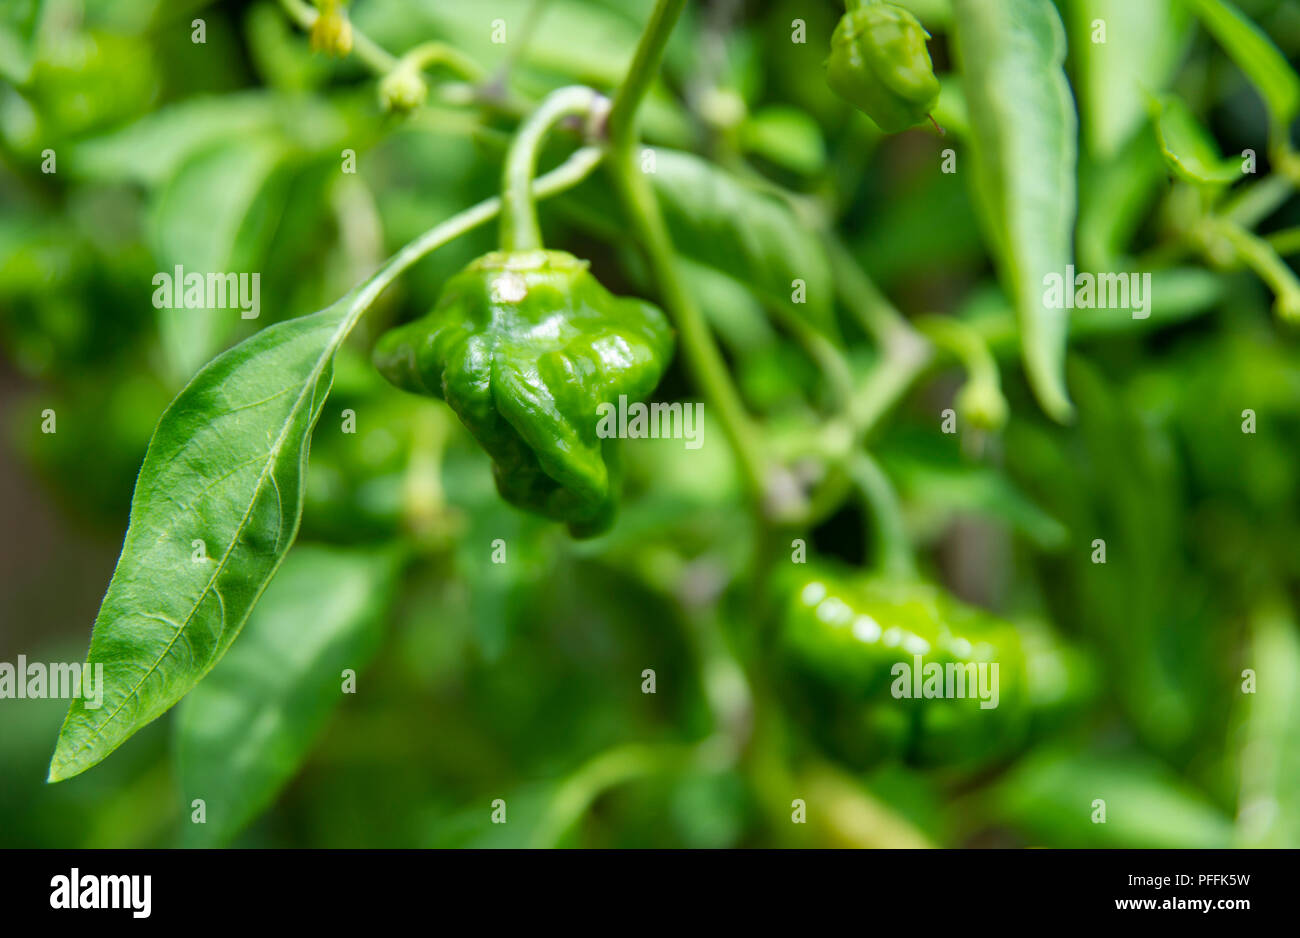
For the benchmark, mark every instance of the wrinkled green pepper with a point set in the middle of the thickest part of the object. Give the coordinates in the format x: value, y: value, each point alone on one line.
x: 879, y: 63
x: 526, y: 346
x: 847, y: 637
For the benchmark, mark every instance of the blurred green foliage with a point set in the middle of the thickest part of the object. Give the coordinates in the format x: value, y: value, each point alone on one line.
x: 523, y: 680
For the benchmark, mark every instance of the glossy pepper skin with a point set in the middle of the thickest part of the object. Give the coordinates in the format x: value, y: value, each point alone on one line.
x: 525, y: 346
x: 879, y: 63
x: 843, y: 635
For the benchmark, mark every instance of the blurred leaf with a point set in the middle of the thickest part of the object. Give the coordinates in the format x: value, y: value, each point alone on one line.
x: 152, y: 150
x: 280, y: 55
x: 1256, y: 55
x: 1188, y: 149
x: 196, y: 224
x: 943, y: 490
x: 242, y: 733
x: 1176, y: 295
x: 787, y: 137
x: 718, y: 220
x: 19, y: 20
x: 902, y: 238
x: 1115, y: 197
x: 83, y: 81
x: 1268, y: 813
x: 1143, y: 43
x: 1051, y: 798
x: 225, y: 467
x: 1023, y: 130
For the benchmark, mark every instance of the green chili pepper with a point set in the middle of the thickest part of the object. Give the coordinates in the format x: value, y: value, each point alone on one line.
x: 526, y: 346
x: 893, y: 668
x: 879, y: 63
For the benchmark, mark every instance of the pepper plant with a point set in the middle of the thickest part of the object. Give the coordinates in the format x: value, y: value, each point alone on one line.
x: 739, y: 379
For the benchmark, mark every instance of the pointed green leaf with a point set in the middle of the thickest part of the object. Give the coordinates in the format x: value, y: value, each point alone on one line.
x: 1256, y: 55
x: 1023, y: 130
x: 225, y: 468
x: 1188, y: 149
x: 1115, y: 71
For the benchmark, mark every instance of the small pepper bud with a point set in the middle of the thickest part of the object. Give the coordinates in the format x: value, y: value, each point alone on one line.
x: 402, y: 90
x: 879, y: 63
x: 982, y: 404
x: 332, y: 32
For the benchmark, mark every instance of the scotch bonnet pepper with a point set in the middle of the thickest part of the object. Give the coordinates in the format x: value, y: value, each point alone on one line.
x: 525, y: 346
x: 859, y: 649
x: 879, y: 63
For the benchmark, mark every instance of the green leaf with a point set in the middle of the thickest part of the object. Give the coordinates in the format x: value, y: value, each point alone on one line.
x: 787, y: 137
x: 1115, y: 198
x: 243, y: 732
x: 1188, y: 149
x: 1142, y: 45
x: 719, y: 221
x: 19, y: 20
x: 153, y: 149
x: 942, y: 491
x: 198, y: 223
x: 1052, y: 796
x: 1023, y: 130
x: 1268, y: 813
x: 1256, y: 55
x: 225, y: 467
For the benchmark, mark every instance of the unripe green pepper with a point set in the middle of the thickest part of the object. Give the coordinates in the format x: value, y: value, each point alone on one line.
x: 525, y: 346
x: 879, y: 63
x: 846, y: 638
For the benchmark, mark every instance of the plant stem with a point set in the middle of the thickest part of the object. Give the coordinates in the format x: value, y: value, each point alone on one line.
x: 702, y: 354
x: 428, y: 54
x: 1253, y: 203
x: 565, y: 176
x: 1286, y: 242
x: 877, y: 316
x: 823, y: 353
x: 519, y: 230
x: 641, y: 73
x: 888, y: 533
x: 1259, y: 256
x: 603, y: 772
x: 964, y: 343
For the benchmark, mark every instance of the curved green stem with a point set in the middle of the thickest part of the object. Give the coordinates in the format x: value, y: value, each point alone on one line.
x: 429, y: 54
x: 641, y: 73
x: 963, y: 343
x: 702, y: 354
x: 889, y: 534
x: 519, y: 230
x: 823, y: 353
x: 981, y: 399
x: 1260, y: 256
x: 611, y: 768
x: 877, y: 316
x: 565, y: 176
